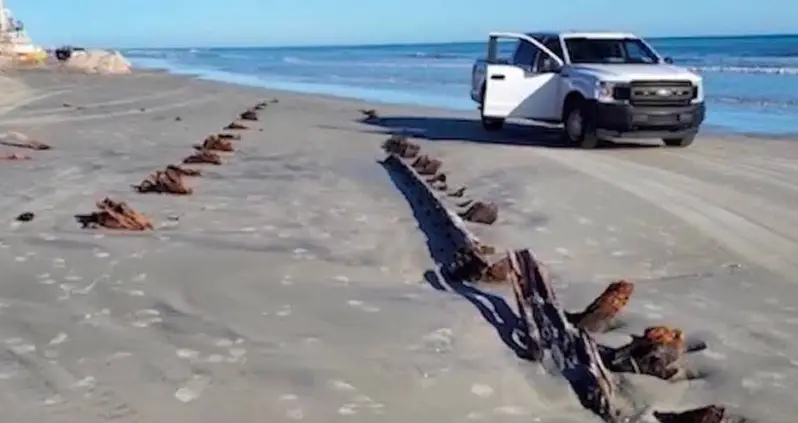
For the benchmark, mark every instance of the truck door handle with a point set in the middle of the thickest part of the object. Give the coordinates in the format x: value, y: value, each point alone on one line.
x: 497, y: 76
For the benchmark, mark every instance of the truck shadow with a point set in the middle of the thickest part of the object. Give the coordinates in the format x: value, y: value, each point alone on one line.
x: 463, y: 129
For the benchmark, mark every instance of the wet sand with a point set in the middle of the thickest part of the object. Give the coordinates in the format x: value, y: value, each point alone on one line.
x: 291, y: 285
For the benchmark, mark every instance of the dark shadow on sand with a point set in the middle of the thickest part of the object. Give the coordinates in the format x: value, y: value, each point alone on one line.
x: 463, y: 129
x: 493, y: 307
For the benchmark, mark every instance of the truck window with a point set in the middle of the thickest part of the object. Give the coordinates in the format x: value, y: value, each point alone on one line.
x: 552, y: 44
x: 525, y: 54
x: 609, y: 51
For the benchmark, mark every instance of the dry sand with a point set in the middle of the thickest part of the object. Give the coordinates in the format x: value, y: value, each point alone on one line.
x: 291, y: 285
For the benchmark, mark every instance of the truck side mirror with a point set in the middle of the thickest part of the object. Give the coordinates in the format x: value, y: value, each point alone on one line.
x: 668, y: 60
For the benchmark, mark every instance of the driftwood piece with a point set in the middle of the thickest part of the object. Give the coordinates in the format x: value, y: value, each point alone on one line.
x: 215, y: 143
x: 235, y: 125
x: 19, y: 140
x: 479, y: 212
x: 250, y: 114
x: 167, y: 181
x: 597, y: 317
x: 115, y: 215
x: 203, y: 157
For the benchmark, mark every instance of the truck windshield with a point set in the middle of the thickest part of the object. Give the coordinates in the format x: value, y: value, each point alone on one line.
x: 609, y: 51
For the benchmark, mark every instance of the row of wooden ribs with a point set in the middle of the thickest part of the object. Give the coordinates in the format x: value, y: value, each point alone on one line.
x: 430, y: 168
x: 658, y: 352
x: 118, y: 215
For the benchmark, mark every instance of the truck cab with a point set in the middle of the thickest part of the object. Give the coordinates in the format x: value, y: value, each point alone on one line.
x: 598, y: 85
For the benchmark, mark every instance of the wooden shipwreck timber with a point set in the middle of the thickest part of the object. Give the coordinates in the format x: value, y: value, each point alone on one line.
x: 545, y: 329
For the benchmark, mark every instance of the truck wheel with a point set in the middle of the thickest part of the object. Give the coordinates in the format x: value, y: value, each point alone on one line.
x: 578, y: 129
x: 492, y: 124
x: 679, y: 142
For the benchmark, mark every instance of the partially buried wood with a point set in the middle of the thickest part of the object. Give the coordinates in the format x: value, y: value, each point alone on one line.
x: 168, y: 181
x: 598, y: 316
x: 115, y: 215
x: 479, y: 212
x: 203, y: 157
x: 401, y: 146
x: 657, y: 353
x: 426, y: 165
x: 215, y: 143
x: 236, y: 126
x: 547, y: 329
x: 19, y: 140
x: 249, y: 115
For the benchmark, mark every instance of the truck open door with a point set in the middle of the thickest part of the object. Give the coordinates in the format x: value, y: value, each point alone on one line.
x: 518, y: 90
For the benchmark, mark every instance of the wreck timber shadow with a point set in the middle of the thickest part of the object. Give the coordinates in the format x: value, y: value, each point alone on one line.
x: 470, y: 130
x: 493, y: 308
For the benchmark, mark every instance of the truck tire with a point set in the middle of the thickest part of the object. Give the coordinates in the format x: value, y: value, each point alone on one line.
x: 490, y: 124
x: 578, y: 128
x: 679, y: 142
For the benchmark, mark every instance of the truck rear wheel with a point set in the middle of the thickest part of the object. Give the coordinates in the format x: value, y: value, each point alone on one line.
x: 679, y: 142
x: 578, y: 129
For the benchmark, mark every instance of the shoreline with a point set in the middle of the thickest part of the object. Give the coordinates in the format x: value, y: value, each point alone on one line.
x: 290, y: 285
x: 707, y: 129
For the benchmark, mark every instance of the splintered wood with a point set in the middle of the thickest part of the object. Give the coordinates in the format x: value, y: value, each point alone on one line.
x: 215, y: 143
x: 546, y: 328
x: 167, y: 181
x: 115, y: 215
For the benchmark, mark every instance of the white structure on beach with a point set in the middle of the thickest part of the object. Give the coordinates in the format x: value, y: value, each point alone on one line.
x: 14, y: 40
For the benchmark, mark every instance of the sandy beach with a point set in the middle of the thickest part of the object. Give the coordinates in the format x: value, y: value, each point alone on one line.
x: 291, y: 285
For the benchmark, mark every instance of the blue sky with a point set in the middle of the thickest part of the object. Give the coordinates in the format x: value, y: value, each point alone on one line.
x: 162, y: 23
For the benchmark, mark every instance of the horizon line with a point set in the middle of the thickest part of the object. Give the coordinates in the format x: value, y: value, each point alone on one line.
x: 404, y: 43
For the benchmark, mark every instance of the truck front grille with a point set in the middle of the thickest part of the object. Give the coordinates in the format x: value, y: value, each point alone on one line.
x: 661, y: 93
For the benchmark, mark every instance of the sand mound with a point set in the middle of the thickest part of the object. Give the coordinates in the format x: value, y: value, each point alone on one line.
x: 99, y: 61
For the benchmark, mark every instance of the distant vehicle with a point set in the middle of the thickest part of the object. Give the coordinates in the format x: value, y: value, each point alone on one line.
x: 598, y: 85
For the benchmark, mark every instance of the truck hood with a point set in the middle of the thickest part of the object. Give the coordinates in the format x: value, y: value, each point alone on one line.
x: 627, y: 73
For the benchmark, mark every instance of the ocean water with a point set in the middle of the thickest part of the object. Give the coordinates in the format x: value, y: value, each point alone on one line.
x: 751, y: 81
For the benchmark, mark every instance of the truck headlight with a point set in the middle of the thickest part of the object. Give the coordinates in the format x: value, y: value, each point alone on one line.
x: 605, y: 90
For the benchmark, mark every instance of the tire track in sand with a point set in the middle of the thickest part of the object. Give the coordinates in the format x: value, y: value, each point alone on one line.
x: 55, y: 119
x: 763, y: 234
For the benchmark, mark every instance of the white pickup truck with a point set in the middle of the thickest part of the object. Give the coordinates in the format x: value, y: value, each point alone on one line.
x: 598, y: 85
